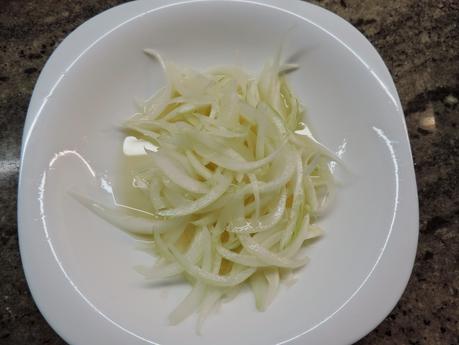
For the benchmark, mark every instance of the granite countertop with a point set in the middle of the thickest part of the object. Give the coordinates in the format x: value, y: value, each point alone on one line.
x: 418, y: 40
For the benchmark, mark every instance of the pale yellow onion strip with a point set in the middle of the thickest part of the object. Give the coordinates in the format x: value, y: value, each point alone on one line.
x: 177, y: 175
x: 265, y: 222
x: 253, y: 96
x: 288, y: 67
x: 161, y: 100
x: 308, y: 141
x: 189, y: 304
x: 197, y: 205
x: 175, y: 197
x: 286, y: 172
x: 259, y: 286
x: 265, y: 201
x: 295, y: 245
x: 269, y: 257
x: 260, y: 142
x: 135, y: 224
x: 234, y: 72
x: 298, y: 198
x: 307, y: 232
x: 256, y: 194
x: 214, y: 294
x: 210, y: 278
x: 209, y: 302
x: 153, y: 136
x: 198, y: 166
x: 231, y: 293
x: 207, y: 220
x: 242, y: 259
x: 311, y: 196
x: 272, y: 276
x: 231, y: 164
x: 193, y: 254
x: 197, y: 294
x: 154, y: 194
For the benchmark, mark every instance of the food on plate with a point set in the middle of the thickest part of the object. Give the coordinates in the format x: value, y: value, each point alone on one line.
x: 234, y: 181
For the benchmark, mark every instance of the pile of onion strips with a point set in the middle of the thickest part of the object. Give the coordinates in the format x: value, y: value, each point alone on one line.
x: 235, y: 180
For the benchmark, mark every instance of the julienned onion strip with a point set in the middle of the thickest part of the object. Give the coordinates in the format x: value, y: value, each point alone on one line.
x: 234, y: 187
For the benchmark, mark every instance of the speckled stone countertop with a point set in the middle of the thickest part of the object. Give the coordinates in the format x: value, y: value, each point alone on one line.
x: 418, y: 40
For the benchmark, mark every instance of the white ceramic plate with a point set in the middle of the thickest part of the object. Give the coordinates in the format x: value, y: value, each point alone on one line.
x: 79, y: 268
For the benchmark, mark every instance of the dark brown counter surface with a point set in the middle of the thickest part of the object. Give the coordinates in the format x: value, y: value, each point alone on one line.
x: 418, y: 40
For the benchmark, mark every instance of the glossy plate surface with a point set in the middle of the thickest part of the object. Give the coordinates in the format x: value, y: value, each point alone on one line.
x: 79, y: 268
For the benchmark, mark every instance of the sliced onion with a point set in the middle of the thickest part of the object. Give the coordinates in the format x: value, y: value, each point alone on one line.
x: 269, y: 257
x: 177, y: 175
x: 199, y: 204
x: 235, y: 183
x: 134, y: 224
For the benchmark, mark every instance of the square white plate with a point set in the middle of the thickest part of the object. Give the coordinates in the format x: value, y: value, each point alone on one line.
x: 79, y: 268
